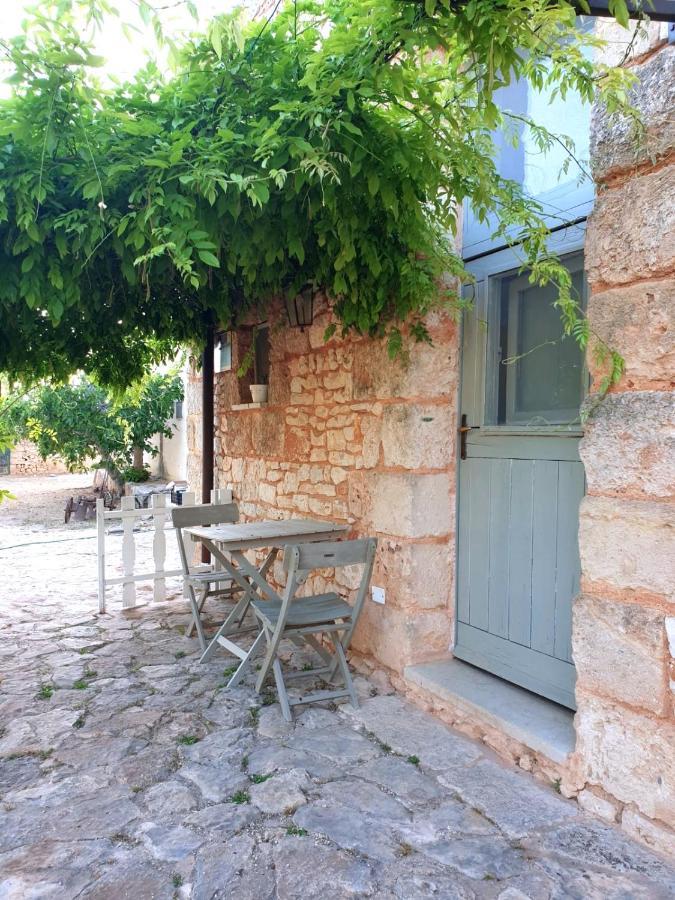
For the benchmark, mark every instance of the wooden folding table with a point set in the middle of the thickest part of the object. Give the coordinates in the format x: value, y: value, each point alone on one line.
x: 228, y: 543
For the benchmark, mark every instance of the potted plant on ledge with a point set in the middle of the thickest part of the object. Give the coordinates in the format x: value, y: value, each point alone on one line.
x: 259, y: 393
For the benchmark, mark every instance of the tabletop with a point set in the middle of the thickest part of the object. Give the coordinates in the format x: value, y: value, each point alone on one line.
x: 267, y: 533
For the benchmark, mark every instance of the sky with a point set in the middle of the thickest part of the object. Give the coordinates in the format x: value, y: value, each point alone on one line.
x: 122, y: 58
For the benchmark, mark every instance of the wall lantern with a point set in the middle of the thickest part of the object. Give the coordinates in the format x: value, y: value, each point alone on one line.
x: 300, y: 309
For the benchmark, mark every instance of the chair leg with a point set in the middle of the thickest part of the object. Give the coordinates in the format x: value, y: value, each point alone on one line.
x: 196, y: 619
x: 344, y: 643
x: 273, y: 641
x: 281, y: 690
x: 344, y: 668
x: 242, y: 604
x: 245, y: 664
x: 200, y: 606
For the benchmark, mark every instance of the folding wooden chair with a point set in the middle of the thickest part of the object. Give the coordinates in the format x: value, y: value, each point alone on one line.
x: 209, y: 583
x: 303, y: 618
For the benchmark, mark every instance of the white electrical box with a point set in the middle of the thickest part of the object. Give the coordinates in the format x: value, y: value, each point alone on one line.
x: 378, y: 594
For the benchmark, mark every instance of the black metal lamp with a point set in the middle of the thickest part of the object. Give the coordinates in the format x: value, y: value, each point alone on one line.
x: 300, y: 309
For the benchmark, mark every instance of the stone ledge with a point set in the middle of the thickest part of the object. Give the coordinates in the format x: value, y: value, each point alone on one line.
x: 539, y: 724
x: 238, y: 406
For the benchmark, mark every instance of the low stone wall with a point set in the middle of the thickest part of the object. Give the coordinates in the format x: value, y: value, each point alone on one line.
x: 624, y: 621
x: 25, y: 460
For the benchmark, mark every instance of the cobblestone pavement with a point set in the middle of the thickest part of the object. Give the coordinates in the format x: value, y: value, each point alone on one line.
x: 127, y: 772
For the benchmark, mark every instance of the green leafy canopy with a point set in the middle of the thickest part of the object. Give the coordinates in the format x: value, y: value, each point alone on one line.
x: 83, y: 423
x: 331, y: 145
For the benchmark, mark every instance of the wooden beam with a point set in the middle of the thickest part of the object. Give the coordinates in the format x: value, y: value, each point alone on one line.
x: 208, y: 446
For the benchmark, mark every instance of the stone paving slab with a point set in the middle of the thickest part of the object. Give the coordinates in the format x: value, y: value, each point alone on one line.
x: 126, y: 771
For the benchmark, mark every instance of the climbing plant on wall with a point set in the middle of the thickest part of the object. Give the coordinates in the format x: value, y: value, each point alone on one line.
x: 331, y: 145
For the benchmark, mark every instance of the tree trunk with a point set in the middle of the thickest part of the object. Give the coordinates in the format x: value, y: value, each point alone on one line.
x: 138, y: 458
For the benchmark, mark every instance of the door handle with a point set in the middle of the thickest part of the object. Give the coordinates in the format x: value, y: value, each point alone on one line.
x: 464, y: 429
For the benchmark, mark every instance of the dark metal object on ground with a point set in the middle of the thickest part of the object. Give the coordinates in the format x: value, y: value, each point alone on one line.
x: 80, y: 509
x: 83, y: 508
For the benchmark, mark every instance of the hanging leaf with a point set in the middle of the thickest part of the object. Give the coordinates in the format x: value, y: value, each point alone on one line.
x: 208, y: 258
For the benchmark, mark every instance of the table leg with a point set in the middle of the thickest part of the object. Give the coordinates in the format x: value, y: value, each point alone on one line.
x: 255, y: 582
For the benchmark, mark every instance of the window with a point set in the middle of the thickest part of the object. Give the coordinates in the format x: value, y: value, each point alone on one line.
x: 223, y: 352
x: 537, y: 372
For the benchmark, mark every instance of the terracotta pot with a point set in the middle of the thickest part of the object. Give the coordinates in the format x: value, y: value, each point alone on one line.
x: 259, y: 393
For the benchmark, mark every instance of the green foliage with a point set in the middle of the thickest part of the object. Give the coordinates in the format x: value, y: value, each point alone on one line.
x: 331, y: 146
x: 7, y: 441
x: 83, y: 422
x: 6, y: 495
x: 137, y: 476
x: 259, y: 779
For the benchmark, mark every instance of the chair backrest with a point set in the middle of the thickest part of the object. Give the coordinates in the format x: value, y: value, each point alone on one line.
x: 207, y: 514
x: 331, y: 555
x: 192, y: 516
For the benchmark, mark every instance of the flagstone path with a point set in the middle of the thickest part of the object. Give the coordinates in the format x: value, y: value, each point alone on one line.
x: 127, y: 772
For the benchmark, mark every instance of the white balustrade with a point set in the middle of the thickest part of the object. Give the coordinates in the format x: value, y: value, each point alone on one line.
x: 159, y: 516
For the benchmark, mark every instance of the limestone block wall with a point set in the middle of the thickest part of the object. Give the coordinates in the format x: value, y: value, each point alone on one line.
x: 624, y: 621
x: 351, y: 436
x: 25, y: 460
x: 192, y: 408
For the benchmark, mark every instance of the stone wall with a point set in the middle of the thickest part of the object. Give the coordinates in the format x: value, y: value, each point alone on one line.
x: 624, y: 621
x: 25, y: 460
x: 350, y: 436
x: 192, y: 410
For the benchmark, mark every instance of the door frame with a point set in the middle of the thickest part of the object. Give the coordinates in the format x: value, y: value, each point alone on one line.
x: 566, y: 241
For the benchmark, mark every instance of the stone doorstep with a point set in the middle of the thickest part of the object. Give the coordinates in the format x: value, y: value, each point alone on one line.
x: 541, y: 725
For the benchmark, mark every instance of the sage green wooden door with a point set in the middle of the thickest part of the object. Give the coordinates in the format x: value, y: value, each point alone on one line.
x: 520, y: 485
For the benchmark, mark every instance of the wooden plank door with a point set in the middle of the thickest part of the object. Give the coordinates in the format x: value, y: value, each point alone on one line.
x: 520, y: 485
